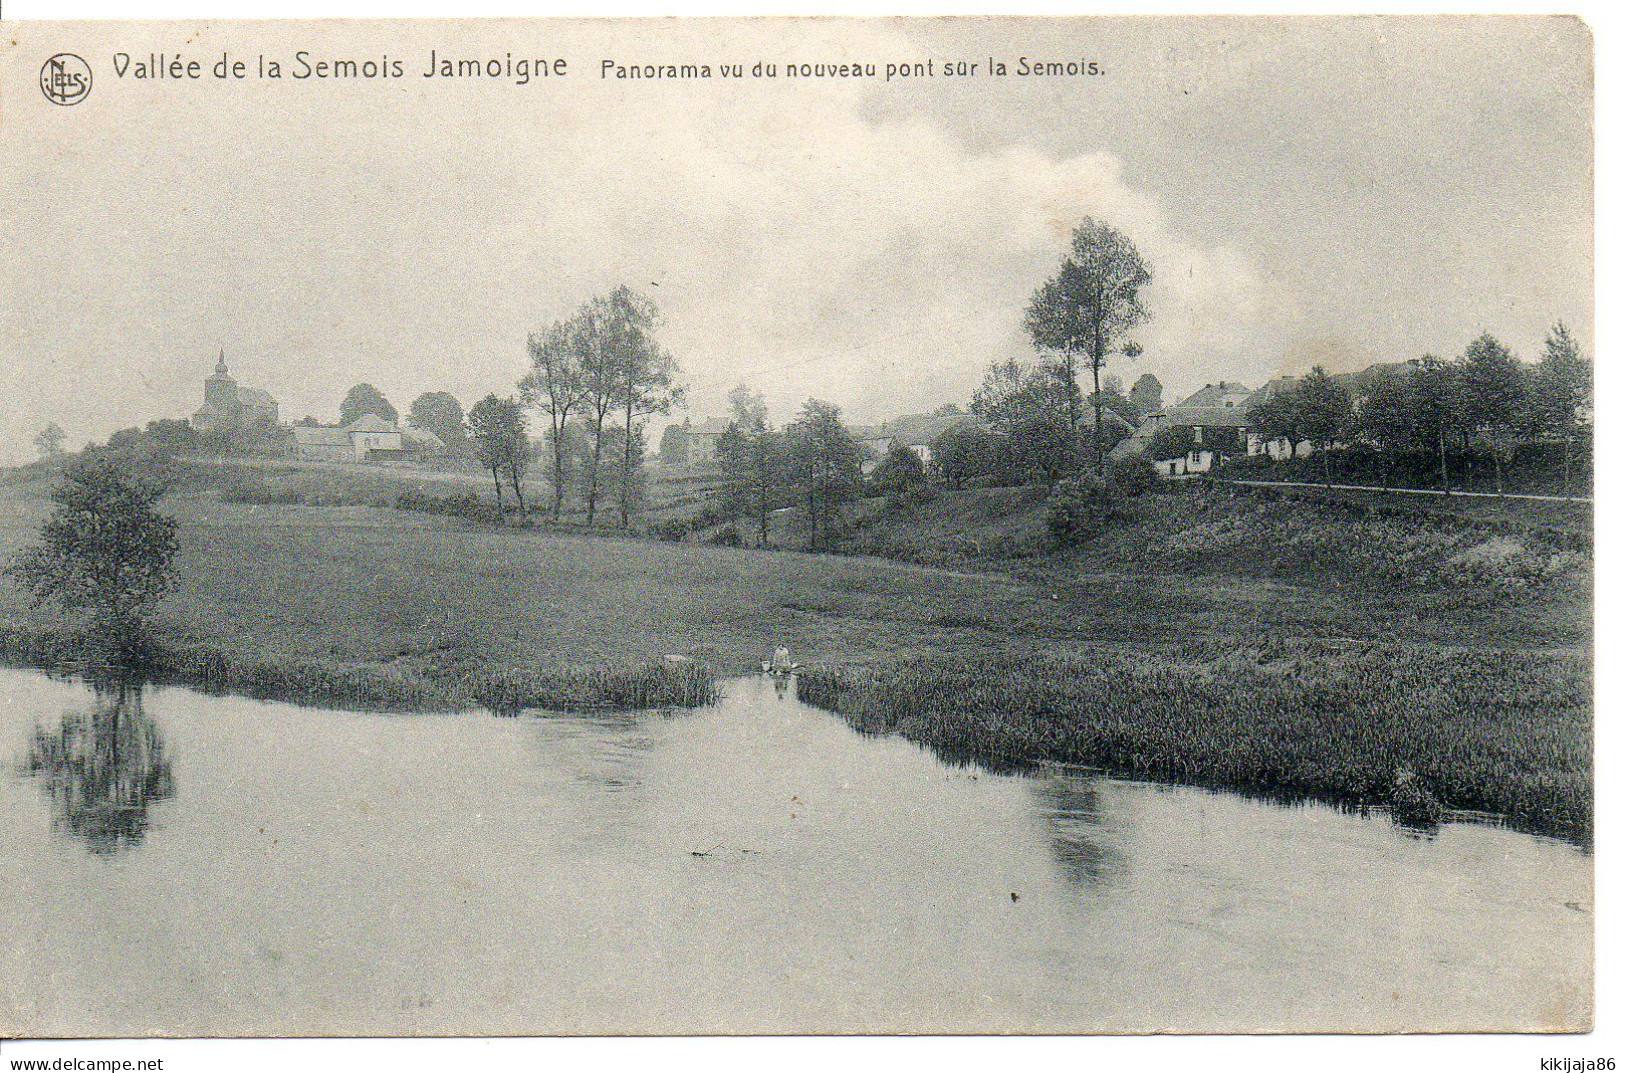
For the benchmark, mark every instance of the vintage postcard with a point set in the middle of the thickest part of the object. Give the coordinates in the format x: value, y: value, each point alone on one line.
x: 762, y: 526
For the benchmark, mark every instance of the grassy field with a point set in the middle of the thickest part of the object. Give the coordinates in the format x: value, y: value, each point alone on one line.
x: 1229, y: 622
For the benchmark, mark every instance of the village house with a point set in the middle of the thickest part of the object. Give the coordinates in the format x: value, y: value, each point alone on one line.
x: 699, y: 442
x: 917, y: 432
x: 369, y: 438
x: 1215, y: 431
x: 1217, y: 420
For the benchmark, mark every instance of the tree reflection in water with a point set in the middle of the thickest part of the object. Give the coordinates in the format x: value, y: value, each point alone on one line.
x: 103, y: 771
x: 1074, y: 813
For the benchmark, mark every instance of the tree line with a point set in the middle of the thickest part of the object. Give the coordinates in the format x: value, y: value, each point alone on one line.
x: 1487, y: 399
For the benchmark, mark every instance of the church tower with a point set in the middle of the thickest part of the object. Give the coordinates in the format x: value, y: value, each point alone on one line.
x: 221, y: 406
x: 220, y: 390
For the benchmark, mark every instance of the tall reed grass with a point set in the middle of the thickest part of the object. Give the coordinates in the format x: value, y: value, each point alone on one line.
x: 1503, y: 732
x: 373, y: 687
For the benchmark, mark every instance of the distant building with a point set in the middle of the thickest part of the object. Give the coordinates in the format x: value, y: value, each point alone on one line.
x: 227, y: 407
x: 368, y: 438
x: 1225, y: 394
x: 699, y: 442
x: 1216, y: 431
x: 917, y: 432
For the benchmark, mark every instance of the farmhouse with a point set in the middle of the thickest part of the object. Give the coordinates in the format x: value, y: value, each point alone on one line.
x: 917, y: 432
x: 1209, y: 433
x: 1208, y: 426
x: 699, y: 442
x: 368, y: 438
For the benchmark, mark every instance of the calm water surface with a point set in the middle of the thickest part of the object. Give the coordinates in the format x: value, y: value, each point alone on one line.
x: 185, y: 864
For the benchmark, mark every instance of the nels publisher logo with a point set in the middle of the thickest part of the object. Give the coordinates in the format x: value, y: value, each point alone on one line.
x: 65, y: 79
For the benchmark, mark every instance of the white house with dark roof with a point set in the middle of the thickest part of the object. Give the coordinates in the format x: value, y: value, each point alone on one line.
x: 1216, y: 431
x: 369, y: 438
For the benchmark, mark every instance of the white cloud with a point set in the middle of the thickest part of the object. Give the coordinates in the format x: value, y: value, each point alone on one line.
x: 411, y: 237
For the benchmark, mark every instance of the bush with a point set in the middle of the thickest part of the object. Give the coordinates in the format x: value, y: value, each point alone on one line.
x: 898, y: 472
x: 464, y: 505
x: 726, y: 537
x: 1132, y: 476
x: 672, y: 529
x: 1079, y: 508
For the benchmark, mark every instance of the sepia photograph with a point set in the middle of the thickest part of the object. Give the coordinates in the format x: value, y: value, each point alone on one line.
x: 796, y: 526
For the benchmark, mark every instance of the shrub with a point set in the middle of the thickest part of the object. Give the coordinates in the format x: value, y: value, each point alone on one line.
x: 672, y: 529
x: 1078, y: 509
x: 1132, y: 476
x: 727, y: 537
x: 899, y: 471
x: 464, y: 505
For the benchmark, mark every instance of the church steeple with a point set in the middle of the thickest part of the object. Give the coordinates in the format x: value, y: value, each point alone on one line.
x: 220, y: 366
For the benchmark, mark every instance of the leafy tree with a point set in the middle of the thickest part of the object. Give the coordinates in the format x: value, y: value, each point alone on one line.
x: 825, y: 463
x: 967, y: 453
x: 674, y: 445
x: 1146, y: 396
x: 1437, y: 409
x: 126, y: 439
x: 625, y: 483
x: 440, y: 413
x: 365, y: 399
x: 1387, y: 418
x: 1171, y: 441
x: 1495, y: 396
x: 105, y: 550
x: 571, y: 451
x: 615, y: 347
x: 1325, y: 412
x: 557, y: 385
x: 1562, y: 391
x: 171, y: 433
x: 1028, y: 405
x: 48, y: 441
x: 900, y: 471
x: 1280, y: 417
x: 648, y: 380
x: 751, y: 456
x: 497, y: 432
x: 1087, y: 308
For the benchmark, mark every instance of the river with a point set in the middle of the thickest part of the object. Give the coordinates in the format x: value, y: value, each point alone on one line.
x: 178, y: 863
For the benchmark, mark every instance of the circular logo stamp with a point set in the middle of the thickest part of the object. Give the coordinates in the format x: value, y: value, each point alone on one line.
x: 65, y: 79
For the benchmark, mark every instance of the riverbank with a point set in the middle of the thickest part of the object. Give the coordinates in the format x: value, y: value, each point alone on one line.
x: 1237, y: 624
x: 638, y: 686
x: 1358, y: 723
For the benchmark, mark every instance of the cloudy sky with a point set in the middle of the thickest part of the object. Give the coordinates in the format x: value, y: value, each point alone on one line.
x: 1333, y: 191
